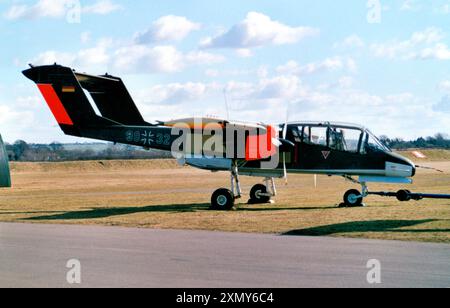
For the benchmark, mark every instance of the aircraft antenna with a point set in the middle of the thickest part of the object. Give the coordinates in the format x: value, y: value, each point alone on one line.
x: 227, y: 107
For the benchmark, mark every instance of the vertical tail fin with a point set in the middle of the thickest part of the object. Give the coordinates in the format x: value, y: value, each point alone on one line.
x: 65, y: 97
x: 112, y: 99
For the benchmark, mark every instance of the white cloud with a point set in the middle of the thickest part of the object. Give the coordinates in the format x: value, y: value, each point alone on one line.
x: 149, y: 59
x: 83, y: 59
x: 85, y: 37
x: 346, y: 82
x: 258, y: 30
x: 444, y: 86
x: 280, y: 87
x: 168, y: 28
x: 444, y: 9
x: 56, y: 9
x: 202, y: 58
x: 159, y: 59
x: 410, y: 5
x: 244, y: 53
x: 426, y: 44
x: 443, y: 105
x: 439, y: 52
x: 350, y: 42
x: 101, y: 7
x: 176, y: 93
x: 10, y: 117
x: 328, y: 64
x: 29, y: 102
x: 134, y: 58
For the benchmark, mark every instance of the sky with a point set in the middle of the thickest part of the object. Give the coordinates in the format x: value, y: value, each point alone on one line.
x: 383, y: 64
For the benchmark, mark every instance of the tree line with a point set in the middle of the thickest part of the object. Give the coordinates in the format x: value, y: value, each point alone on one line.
x: 57, y: 152
x: 22, y: 151
x: 439, y: 141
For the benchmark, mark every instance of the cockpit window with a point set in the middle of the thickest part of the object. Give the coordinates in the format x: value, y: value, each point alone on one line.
x: 374, y: 144
x: 345, y: 139
x: 319, y: 136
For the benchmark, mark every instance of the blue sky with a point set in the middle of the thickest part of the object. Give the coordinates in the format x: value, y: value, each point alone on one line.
x: 383, y: 64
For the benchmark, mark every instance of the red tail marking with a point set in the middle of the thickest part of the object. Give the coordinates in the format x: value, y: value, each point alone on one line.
x: 53, y: 101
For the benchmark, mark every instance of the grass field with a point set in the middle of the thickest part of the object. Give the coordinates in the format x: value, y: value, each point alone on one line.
x: 159, y: 194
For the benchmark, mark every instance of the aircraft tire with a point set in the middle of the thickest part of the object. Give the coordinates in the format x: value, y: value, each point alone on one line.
x: 351, y: 198
x: 222, y: 200
x: 255, y: 194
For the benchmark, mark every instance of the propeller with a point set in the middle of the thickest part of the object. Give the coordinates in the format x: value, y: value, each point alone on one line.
x: 285, y: 128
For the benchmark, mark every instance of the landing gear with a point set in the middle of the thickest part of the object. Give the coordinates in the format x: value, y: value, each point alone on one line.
x: 222, y: 200
x: 258, y: 194
x: 354, y: 198
x: 261, y: 194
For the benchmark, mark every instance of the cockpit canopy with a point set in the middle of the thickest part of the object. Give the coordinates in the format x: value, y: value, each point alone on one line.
x: 339, y: 137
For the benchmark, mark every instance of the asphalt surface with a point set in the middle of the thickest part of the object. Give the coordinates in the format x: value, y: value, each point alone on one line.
x: 37, y: 255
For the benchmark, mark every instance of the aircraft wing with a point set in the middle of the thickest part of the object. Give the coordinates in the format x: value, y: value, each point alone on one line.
x: 202, y: 123
x: 257, y: 141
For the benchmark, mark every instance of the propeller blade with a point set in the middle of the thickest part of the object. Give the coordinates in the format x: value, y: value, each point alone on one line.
x: 315, y: 181
x: 285, y: 128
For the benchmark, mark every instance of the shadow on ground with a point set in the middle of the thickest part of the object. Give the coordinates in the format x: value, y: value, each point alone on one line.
x: 97, y: 213
x: 367, y: 226
x: 248, y: 208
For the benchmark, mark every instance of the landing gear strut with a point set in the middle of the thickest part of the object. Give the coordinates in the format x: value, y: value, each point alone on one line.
x: 224, y: 199
x: 354, y: 198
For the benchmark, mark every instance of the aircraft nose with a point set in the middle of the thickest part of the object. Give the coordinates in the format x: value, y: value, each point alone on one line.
x: 400, y: 166
x: 414, y: 170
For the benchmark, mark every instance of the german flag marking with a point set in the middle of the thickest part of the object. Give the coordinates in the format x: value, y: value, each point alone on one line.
x: 68, y: 89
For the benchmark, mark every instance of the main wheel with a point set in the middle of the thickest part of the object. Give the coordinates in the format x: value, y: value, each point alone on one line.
x: 222, y: 200
x: 403, y: 195
x: 258, y: 194
x: 353, y: 198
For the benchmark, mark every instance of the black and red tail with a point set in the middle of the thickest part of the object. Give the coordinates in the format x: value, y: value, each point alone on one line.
x: 64, y: 92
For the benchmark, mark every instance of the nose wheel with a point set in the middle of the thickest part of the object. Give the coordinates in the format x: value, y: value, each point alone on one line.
x: 353, y: 197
